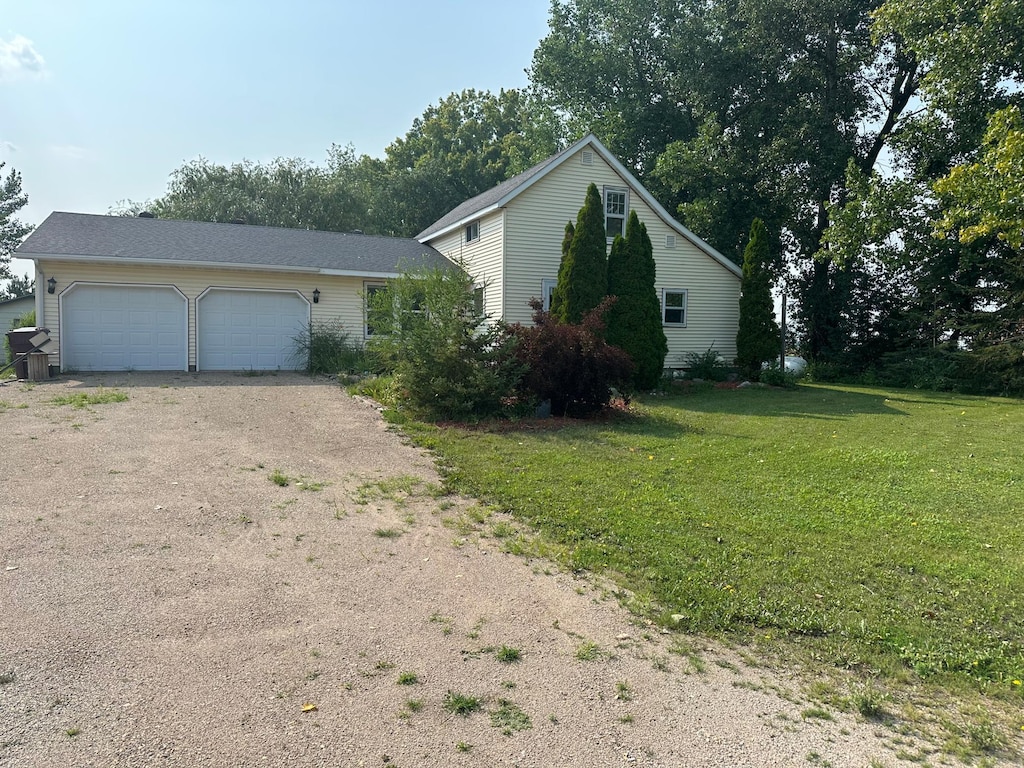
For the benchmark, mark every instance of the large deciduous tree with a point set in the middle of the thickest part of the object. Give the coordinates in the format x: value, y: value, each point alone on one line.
x: 12, y: 231
x: 757, y: 340
x: 770, y: 101
x: 634, y: 320
x: 583, y: 274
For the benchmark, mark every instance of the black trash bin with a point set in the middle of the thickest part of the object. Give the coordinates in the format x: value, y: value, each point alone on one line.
x: 20, y: 340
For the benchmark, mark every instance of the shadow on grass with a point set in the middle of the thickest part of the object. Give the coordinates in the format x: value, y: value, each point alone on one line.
x: 806, y: 401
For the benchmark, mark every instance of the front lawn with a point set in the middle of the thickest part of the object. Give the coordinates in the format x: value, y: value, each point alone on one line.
x: 881, y: 530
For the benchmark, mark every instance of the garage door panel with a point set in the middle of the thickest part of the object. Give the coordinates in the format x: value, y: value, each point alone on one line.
x: 124, y: 327
x: 249, y: 330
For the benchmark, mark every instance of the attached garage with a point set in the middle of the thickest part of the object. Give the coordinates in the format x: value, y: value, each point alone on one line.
x: 123, y: 328
x: 239, y: 329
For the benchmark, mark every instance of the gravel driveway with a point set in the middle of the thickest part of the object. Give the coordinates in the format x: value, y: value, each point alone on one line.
x: 165, y: 602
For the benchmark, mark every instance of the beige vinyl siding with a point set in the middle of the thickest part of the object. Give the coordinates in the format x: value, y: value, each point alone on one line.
x: 535, y: 224
x: 340, y: 297
x: 481, y: 258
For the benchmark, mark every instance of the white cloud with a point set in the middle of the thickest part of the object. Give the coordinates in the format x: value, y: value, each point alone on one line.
x: 8, y: 147
x: 19, y: 58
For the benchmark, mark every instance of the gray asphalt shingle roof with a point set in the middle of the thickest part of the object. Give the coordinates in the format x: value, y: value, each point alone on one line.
x: 84, y: 235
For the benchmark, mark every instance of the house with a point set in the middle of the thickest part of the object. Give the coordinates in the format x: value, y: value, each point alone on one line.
x: 121, y: 293
x: 12, y: 309
x: 509, y: 239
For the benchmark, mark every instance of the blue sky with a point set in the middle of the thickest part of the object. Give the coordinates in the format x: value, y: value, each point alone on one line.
x: 100, y: 101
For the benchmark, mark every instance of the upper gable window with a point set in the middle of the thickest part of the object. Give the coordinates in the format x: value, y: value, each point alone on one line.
x: 616, y: 206
x: 472, y: 231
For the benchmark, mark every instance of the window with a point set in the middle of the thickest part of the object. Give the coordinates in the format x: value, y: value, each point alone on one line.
x: 478, y: 301
x: 673, y: 306
x: 615, y: 209
x: 370, y: 289
x: 547, y: 290
x: 473, y: 231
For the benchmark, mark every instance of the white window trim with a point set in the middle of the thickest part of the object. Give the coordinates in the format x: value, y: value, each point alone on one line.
x: 625, y: 213
x: 473, y: 231
x: 547, y: 289
x: 685, y: 307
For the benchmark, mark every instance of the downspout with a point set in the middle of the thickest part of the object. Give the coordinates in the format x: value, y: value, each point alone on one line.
x: 39, y: 295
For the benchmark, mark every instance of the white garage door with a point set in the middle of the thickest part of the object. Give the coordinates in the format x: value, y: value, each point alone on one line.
x: 243, y: 330
x: 123, y: 328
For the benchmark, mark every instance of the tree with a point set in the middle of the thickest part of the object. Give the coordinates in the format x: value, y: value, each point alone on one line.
x: 583, y: 274
x: 634, y: 321
x: 12, y: 231
x: 771, y: 99
x: 464, y: 145
x: 18, y: 286
x: 757, y: 340
x: 449, y: 361
x: 984, y: 205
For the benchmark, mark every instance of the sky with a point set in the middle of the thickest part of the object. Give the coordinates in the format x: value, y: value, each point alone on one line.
x: 101, y: 101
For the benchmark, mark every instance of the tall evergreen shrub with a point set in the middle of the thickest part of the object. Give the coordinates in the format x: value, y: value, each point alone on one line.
x: 757, y: 339
x: 583, y: 274
x: 634, y: 320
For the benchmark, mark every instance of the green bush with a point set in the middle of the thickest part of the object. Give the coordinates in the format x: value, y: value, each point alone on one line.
x: 707, y: 365
x: 774, y: 377
x: 326, y: 347
x: 448, y: 361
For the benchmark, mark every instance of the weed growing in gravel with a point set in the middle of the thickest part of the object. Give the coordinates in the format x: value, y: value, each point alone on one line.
x: 408, y: 678
x: 510, y: 718
x: 397, y: 489
x: 508, y: 655
x: 277, y: 477
x: 414, y: 705
x: 463, y: 746
x: 870, y: 702
x: 816, y: 713
x: 588, y: 651
x: 622, y: 691
x: 460, y: 704
x: 447, y: 622
x: 387, y: 533
x: 72, y: 732
x: 84, y: 399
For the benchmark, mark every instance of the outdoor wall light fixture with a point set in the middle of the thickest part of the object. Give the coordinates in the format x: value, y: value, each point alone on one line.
x: 51, y: 285
x: 316, y: 295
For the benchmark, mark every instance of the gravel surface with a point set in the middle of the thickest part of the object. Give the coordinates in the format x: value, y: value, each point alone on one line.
x: 164, y: 602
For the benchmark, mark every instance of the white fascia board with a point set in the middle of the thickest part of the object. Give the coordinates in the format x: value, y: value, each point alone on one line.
x: 168, y: 263
x: 466, y: 219
x: 356, y: 273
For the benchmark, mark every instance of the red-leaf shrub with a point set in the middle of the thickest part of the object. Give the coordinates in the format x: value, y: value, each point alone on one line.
x: 571, y: 365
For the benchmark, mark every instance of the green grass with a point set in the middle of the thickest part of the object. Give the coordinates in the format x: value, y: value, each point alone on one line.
x: 460, y: 704
x: 84, y: 399
x: 878, y: 529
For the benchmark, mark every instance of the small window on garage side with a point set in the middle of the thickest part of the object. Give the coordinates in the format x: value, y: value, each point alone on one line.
x: 673, y: 305
x: 472, y: 231
x: 370, y: 290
